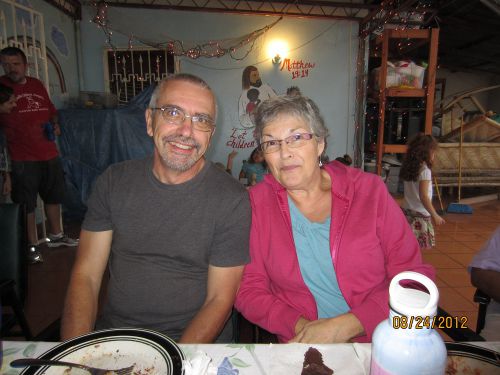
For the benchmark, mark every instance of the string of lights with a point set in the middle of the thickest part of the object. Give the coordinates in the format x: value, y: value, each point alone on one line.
x: 192, y: 50
x: 396, y: 14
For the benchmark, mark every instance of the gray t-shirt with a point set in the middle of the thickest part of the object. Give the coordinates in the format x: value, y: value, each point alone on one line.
x: 164, y: 238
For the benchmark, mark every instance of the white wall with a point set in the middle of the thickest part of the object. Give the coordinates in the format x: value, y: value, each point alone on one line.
x: 60, y: 40
x: 330, y: 44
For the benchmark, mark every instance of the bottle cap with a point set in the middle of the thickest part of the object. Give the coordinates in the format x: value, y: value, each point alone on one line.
x: 413, y: 302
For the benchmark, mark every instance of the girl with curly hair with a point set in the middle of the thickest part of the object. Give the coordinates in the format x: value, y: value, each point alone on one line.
x: 416, y: 173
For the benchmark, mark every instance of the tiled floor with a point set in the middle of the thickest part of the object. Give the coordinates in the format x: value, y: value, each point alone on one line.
x: 457, y: 242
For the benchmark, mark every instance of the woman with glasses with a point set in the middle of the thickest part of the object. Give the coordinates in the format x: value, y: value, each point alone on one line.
x: 325, y: 241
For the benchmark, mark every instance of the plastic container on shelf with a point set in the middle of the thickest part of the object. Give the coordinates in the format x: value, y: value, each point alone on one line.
x: 406, y: 343
x: 404, y: 74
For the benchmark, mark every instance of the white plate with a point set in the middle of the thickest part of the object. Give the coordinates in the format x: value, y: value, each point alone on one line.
x: 467, y: 359
x: 150, y: 352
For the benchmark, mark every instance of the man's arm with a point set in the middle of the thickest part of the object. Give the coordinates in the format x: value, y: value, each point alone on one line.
x: 81, y: 305
x: 223, y: 283
x: 7, y: 184
x: 486, y: 280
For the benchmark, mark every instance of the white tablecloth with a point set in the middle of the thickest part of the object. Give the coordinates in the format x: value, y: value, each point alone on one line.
x: 249, y: 359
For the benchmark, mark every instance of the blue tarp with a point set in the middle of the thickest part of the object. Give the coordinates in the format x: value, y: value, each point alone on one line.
x: 92, y: 139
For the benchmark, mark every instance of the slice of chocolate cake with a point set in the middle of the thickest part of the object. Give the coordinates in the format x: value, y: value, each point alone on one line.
x: 313, y: 363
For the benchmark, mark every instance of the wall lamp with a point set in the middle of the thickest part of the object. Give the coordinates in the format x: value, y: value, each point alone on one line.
x: 277, y: 50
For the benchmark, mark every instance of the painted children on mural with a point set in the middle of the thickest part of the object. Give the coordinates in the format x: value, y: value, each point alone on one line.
x: 417, y: 176
x: 254, y: 92
x: 253, y: 96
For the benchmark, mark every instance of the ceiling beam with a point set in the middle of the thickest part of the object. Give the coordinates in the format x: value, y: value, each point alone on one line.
x: 477, y: 41
x: 72, y: 8
x: 460, y: 68
x: 299, y: 8
x: 456, y: 55
x: 380, y: 16
x: 471, y: 22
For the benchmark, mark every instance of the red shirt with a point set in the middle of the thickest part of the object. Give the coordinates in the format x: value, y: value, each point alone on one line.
x: 23, y: 127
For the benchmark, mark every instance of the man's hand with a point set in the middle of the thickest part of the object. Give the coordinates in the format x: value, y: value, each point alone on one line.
x: 57, y: 128
x: 332, y: 330
x: 7, y: 184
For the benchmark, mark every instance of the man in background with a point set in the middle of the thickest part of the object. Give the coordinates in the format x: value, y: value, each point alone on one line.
x: 485, y: 275
x: 36, y: 167
x: 172, y: 229
x: 7, y: 103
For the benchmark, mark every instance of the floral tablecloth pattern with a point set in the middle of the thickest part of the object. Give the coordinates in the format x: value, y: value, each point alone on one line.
x: 242, y: 359
x: 235, y: 359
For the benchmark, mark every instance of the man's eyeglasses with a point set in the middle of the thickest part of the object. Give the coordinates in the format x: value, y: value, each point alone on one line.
x: 293, y: 141
x: 176, y: 116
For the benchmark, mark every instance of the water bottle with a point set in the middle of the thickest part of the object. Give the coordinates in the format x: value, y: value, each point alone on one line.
x: 48, y: 129
x: 406, y: 343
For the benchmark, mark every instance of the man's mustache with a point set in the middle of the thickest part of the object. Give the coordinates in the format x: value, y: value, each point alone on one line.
x: 181, y: 139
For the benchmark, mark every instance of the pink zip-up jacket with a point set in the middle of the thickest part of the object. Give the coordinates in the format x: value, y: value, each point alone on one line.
x: 370, y: 242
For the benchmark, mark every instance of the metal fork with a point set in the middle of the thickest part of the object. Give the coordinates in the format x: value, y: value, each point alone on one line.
x: 23, y: 362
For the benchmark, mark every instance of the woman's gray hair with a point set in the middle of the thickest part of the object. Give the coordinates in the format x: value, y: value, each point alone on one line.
x: 298, y: 106
x: 181, y: 77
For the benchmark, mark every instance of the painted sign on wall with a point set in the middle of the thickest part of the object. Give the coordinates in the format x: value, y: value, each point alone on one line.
x: 297, y: 68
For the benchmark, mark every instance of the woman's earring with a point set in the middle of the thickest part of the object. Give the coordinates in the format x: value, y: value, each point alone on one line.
x: 320, y: 162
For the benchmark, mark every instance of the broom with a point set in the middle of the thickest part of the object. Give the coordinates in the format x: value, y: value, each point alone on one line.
x: 459, y: 208
x: 442, y: 210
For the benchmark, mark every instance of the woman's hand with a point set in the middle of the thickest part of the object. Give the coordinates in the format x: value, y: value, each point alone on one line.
x: 326, y: 331
x: 300, y: 324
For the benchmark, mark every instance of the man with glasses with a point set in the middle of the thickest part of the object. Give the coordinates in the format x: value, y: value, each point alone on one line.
x: 173, y: 230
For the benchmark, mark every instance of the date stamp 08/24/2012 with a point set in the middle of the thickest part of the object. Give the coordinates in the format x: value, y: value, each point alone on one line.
x: 429, y: 322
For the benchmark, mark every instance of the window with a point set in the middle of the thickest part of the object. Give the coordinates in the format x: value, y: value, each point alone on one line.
x: 129, y: 71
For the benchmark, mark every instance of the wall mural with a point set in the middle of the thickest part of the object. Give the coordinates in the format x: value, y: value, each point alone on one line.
x: 59, y: 40
x: 254, y: 91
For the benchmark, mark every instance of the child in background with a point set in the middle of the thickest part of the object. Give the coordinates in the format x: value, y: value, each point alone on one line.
x: 416, y: 173
x: 293, y: 91
x: 255, y: 169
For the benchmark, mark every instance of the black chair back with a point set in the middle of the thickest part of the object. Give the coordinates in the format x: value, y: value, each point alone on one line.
x: 13, y: 246
x: 13, y: 269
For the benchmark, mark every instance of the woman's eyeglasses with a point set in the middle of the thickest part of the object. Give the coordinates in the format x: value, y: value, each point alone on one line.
x: 176, y: 116
x: 293, y: 141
